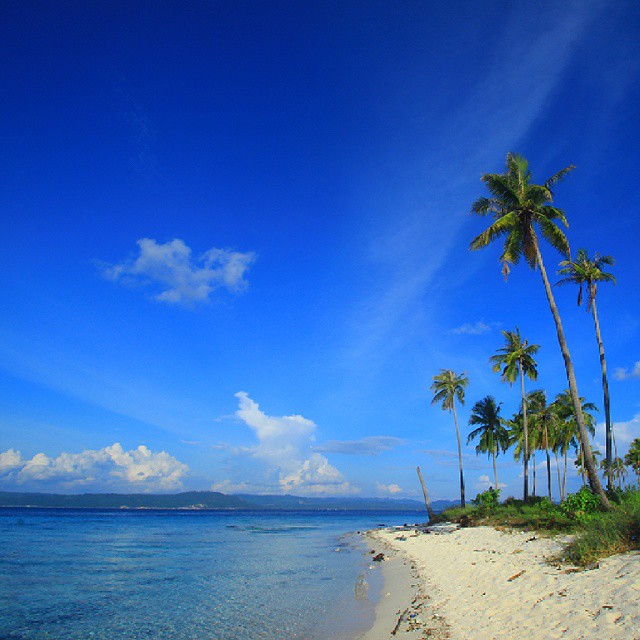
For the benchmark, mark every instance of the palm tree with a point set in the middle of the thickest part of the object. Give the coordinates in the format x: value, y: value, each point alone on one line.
x: 447, y: 386
x: 585, y: 272
x: 515, y: 360
x: 518, y: 207
x: 632, y: 459
x: 566, y: 433
x: 542, y: 420
x: 493, y: 436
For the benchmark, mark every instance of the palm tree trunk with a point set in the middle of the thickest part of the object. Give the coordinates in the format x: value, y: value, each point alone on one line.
x: 495, y: 469
x: 558, y: 472
x: 455, y: 420
x: 526, y: 434
x: 582, y: 474
x: 605, y: 391
x: 549, y: 475
x: 564, y: 475
x: 533, y: 455
x: 425, y: 493
x: 594, y: 480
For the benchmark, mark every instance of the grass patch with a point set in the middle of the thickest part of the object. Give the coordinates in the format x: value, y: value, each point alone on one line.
x: 597, y: 534
x: 606, y: 534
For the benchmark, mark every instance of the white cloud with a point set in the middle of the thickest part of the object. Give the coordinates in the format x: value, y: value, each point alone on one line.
x: 474, y: 328
x: 624, y: 433
x: 181, y: 278
x: 226, y: 486
x: 484, y: 482
x: 371, y: 446
x: 111, y: 467
x: 392, y: 489
x: 620, y: 373
x: 284, y: 446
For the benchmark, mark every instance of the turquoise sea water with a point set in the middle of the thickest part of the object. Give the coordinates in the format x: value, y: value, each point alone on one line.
x: 68, y: 574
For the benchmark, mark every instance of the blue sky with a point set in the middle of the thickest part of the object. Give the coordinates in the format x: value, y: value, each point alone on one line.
x: 236, y: 235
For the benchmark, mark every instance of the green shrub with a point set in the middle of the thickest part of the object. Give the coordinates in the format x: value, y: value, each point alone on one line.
x: 488, y: 500
x: 608, y: 533
x: 581, y: 506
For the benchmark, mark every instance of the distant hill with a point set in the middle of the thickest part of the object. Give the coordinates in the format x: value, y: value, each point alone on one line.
x: 209, y: 500
x: 186, y: 500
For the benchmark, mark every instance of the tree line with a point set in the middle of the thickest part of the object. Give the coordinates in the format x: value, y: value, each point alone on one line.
x: 521, y: 210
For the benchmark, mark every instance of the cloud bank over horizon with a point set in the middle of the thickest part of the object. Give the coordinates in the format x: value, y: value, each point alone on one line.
x: 110, y: 468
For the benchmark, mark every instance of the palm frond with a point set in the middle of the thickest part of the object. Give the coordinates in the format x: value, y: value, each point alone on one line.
x: 557, y: 177
x: 553, y: 235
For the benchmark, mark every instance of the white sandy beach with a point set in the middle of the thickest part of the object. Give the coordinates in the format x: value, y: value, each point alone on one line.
x: 479, y: 583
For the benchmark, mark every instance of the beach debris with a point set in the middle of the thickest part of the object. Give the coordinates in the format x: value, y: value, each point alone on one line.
x: 516, y: 575
x: 443, y: 527
x: 401, y: 538
x: 379, y: 557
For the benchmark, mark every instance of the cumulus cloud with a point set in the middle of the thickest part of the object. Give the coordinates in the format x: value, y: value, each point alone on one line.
x: 624, y: 432
x: 111, y: 467
x: 621, y: 373
x: 284, y: 446
x: 391, y: 489
x: 474, y: 328
x: 371, y: 446
x: 484, y: 482
x: 181, y: 278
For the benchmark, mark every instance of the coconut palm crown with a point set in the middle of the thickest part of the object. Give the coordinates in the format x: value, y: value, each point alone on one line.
x: 586, y: 273
x: 519, y: 207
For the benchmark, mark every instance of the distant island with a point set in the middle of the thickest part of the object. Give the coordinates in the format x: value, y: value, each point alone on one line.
x: 209, y: 500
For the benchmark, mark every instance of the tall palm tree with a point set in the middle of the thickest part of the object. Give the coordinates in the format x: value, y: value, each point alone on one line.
x: 515, y: 360
x: 518, y: 207
x: 632, y: 458
x: 490, y: 429
x: 447, y: 387
x: 588, y: 273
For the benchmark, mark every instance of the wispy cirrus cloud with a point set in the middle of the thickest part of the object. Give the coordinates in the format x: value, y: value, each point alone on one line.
x: 109, y: 468
x: 411, y: 241
x: 621, y: 373
x: 171, y: 268
x: 370, y: 446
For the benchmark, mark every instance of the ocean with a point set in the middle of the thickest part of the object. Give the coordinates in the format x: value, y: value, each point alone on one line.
x: 218, y: 575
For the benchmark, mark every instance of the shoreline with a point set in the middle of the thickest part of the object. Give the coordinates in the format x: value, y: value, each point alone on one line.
x: 490, y: 585
x: 403, y: 608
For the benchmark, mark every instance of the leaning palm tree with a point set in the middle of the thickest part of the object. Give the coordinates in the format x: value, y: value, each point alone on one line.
x: 490, y: 429
x: 518, y: 207
x: 588, y: 273
x: 632, y: 458
x: 447, y: 386
x: 515, y: 360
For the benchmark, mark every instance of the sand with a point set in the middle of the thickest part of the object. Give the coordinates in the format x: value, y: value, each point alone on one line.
x: 483, y: 584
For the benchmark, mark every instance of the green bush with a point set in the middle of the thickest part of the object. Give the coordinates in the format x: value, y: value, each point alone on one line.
x: 581, y: 506
x: 488, y: 500
x: 608, y: 533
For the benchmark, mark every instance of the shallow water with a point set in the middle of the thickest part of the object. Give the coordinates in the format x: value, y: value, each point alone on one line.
x: 78, y: 574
